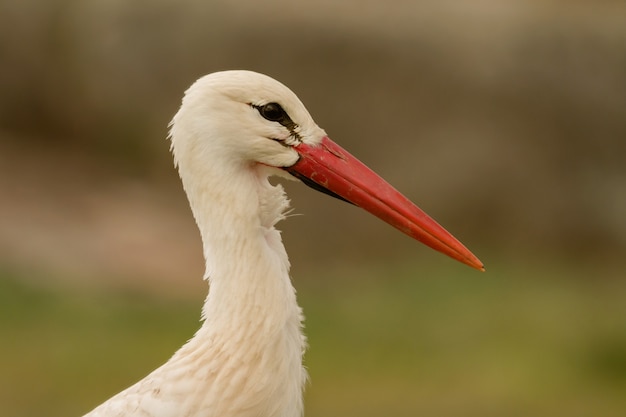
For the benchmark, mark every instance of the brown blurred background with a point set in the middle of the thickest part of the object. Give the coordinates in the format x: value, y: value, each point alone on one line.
x: 505, y: 120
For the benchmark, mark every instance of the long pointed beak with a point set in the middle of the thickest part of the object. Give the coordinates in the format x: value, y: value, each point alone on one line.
x: 329, y: 168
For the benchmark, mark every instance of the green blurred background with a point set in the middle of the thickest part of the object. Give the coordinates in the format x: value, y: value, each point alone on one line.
x: 505, y: 120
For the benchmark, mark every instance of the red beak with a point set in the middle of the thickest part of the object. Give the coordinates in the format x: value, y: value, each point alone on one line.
x: 329, y: 168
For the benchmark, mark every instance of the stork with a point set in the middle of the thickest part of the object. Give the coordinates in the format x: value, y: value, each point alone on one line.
x: 233, y: 130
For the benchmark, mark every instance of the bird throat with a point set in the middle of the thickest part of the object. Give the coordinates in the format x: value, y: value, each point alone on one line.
x: 251, y: 310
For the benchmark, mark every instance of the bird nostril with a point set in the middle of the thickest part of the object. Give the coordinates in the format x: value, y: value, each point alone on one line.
x: 334, y: 152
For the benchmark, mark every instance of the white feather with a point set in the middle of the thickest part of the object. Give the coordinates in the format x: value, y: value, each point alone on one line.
x: 246, y: 359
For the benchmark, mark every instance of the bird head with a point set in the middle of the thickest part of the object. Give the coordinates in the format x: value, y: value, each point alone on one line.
x: 244, y: 119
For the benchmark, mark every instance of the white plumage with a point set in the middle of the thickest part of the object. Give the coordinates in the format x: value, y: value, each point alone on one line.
x: 233, y: 130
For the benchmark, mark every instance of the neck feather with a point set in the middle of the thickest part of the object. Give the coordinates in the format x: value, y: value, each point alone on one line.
x: 250, y: 313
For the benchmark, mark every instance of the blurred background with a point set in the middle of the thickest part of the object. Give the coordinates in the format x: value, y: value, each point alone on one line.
x: 504, y: 120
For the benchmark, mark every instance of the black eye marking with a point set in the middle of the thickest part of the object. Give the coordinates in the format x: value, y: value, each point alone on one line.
x: 274, y: 112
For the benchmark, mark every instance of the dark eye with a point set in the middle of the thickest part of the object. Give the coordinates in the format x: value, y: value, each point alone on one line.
x: 275, y: 113
x: 272, y: 112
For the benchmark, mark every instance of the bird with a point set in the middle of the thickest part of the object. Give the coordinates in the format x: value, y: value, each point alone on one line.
x: 233, y: 131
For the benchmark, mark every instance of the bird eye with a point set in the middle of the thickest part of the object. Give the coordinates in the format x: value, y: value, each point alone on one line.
x: 272, y: 112
x: 275, y: 113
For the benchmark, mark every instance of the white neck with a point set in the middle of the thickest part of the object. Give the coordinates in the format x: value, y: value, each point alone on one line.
x: 246, y: 359
x: 251, y: 313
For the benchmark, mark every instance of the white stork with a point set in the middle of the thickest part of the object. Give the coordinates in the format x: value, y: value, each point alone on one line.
x: 234, y: 129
